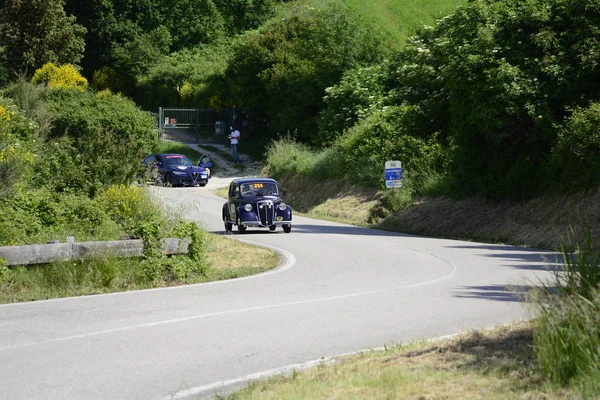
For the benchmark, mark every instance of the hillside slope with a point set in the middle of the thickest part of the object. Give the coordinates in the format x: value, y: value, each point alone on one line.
x: 540, y: 223
x: 397, y: 20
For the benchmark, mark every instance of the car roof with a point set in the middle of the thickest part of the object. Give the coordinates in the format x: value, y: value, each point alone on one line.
x: 175, y: 155
x: 253, y: 180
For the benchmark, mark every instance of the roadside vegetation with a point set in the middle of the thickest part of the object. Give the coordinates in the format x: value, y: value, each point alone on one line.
x: 69, y: 163
x: 553, y: 356
x: 492, y: 109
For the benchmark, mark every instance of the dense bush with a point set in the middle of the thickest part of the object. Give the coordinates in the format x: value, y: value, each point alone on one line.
x: 17, y: 142
x: 498, y: 76
x: 278, y: 74
x: 65, y: 76
x: 360, y: 92
x: 287, y: 157
x: 388, y: 135
x: 567, y: 327
x: 186, y: 78
x: 37, y: 215
x: 575, y: 161
x: 95, y: 141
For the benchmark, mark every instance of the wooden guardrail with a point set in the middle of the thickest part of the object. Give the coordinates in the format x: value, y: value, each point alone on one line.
x: 52, y: 252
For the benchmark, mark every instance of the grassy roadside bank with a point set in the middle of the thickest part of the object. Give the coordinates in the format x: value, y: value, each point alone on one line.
x: 493, y: 364
x: 97, y: 276
x: 538, y: 359
x: 538, y: 223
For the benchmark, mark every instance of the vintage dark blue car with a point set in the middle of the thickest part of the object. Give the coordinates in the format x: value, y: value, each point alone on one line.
x: 256, y: 202
x: 176, y: 170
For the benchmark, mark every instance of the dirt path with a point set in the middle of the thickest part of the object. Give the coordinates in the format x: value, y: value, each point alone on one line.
x: 227, y: 171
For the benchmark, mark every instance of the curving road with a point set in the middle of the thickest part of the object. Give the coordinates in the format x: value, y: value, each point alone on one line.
x: 340, y: 289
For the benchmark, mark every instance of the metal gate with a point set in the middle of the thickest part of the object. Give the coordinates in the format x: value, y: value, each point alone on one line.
x: 192, y: 125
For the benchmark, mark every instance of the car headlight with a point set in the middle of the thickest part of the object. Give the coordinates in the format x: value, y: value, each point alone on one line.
x: 248, y: 207
x: 282, y: 206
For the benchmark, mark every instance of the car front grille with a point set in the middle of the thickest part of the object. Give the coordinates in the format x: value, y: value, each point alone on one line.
x: 196, y: 177
x: 266, y: 212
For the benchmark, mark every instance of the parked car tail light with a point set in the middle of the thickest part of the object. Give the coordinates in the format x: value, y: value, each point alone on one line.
x: 248, y: 207
x: 282, y: 206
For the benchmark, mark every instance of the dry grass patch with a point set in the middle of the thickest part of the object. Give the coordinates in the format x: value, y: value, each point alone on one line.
x: 331, y: 199
x: 495, y: 364
x: 224, y: 254
x: 540, y: 222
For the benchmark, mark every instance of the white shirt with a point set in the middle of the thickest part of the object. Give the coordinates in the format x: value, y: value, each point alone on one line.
x: 234, y: 136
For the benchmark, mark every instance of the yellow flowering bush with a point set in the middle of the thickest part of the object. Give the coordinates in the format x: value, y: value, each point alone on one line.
x: 65, y: 76
x: 187, y: 91
x: 125, y: 203
x: 15, y: 140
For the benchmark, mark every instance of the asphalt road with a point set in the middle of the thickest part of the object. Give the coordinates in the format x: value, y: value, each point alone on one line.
x: 340, y: 289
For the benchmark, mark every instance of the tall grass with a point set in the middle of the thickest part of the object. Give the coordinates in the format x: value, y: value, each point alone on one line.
x: 567, y: 327
x: 288, y: 157
x: 397, y: 20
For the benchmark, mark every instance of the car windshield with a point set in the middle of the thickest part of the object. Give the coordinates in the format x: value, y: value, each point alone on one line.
x: 176, y: 160
x: 259, y: 189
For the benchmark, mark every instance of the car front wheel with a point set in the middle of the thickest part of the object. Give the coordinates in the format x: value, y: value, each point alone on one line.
x: 287, y: 228
x: 241, y: 228
x: 228, y: 225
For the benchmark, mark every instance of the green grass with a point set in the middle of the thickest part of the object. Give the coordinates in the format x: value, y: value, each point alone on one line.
x: 494, y: 364
x: 225, y: 259
x: 178, y: 148
x: 397, y: 20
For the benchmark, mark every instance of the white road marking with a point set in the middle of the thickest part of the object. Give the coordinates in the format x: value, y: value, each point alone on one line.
x: 230, y: 312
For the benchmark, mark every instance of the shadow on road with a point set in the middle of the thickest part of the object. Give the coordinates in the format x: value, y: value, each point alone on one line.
x: 517, y: 257
x: 511, y: 293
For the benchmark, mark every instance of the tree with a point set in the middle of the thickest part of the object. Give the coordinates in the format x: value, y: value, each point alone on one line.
x: 35, y: 32
x: 278, y: 75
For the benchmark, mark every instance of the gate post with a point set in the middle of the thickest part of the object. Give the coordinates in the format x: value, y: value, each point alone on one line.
x: 160, y: 122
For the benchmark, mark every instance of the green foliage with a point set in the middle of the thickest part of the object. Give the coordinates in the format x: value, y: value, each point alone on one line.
x: 575, y: 159
x: 134, y: 57
x: 567, y: 328
x: 384, y: 136
x: 95, y: 141
x: 279, y: 74
x: 35, y: 216
x: 105, y: 78
x: 496, y: 76
x: 198, y: 68
x: 360, y: 92
x: 243, y: 15
x: 65, y: 76
x: 35, y: 32
x: 17, y: 140
x: 287, y: 157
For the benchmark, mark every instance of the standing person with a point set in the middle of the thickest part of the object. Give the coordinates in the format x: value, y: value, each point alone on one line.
x: 234, y: 136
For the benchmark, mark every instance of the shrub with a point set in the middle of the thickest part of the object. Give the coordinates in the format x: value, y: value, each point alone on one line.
x: 387, y: 136
x: 106, y: 78
x: 17, y: 137
x: 359, y: 93
x: 575, y: 159
x: 65, y: 76
x: 95, y: 141
x: 567, y: 328
x: 130, y: 206
x: 37, y: 215
x: 279, y: 73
